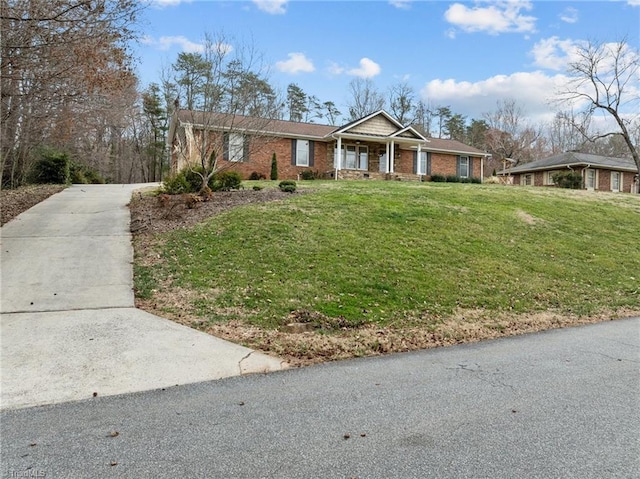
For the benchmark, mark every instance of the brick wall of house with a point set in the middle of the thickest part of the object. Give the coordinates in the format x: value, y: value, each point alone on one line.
x: 261, y: 150
x: 604, y: 180
x: 628, y: 185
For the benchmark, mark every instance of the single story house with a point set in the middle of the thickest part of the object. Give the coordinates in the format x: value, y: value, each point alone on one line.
x: 600, y: 173
x: 374, y: 147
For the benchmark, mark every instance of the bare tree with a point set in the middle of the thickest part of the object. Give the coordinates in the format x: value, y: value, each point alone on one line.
x: 510, y: 135
x: 237, y: 105
x: 61, y: 63
x: 365, y: 98
x: 402, y: 102
x: 605, y: 78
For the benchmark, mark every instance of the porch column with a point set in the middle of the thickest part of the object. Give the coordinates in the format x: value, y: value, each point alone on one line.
x: 386, y: 159
x: 392, y: 159
x: 418, y: 162
x: 338, y: 156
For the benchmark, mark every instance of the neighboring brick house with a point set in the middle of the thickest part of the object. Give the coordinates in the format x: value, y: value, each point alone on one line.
x: 374, y: 147
x: 600, y: 173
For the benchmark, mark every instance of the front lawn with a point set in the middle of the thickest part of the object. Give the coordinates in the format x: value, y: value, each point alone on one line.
x: 398, y: 265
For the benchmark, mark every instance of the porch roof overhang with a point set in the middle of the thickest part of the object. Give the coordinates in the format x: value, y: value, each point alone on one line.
x: 399, y: 140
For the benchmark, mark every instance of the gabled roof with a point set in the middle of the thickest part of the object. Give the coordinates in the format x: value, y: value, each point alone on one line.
x: 572, y: 158
x: 395, y: 124
x: 266, y: 126
x: 379, y: 125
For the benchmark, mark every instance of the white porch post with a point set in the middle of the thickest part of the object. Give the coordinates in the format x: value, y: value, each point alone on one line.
x: 338, y: 156
x: 392, y: 159
x: 418, y: 160
x: 386, y: 166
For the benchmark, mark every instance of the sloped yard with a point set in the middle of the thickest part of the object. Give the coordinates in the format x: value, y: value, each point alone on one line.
x: 361, y: 268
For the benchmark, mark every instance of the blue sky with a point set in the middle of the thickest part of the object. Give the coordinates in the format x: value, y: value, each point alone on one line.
x: 467, y: 55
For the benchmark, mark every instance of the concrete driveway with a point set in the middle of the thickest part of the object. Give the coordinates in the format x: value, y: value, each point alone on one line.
x: 69, y: 328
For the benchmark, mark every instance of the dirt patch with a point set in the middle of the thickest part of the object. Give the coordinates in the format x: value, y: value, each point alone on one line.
x: 527, y: 218
x: 302, y: 347
x: 13, y: 202
x: 153, y: 214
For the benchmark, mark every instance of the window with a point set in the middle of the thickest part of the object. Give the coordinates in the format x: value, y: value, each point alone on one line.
x: 591, y: 179
x: 422, y: 164
x: 527, y: 180
x: 355, y: 157
x: 236, y: 146
x: 464, y: 167
x: 302, y: 153
x: 548, y: 177
x: 615, y: 181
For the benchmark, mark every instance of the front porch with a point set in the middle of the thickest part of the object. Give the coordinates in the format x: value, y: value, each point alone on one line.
x: 378, y: 147
x: 373, y: 175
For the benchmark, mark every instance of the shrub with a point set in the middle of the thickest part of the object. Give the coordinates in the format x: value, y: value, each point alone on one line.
x: 51, y: 168
x: 176, y: 184
x: 476, y: 180
x: 257, y: 176
x: 465, y: 180
x: 288, y: 186
x: 274, y: 167
x: 452, y: 179
x: 257, y: 188
x: 568, y: 179
x: 83, y: 174
x: 438, y: 178
x: 227, y: 181
x: 308, y: 175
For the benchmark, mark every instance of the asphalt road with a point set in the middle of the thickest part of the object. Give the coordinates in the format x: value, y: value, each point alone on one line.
x: 559, y: 404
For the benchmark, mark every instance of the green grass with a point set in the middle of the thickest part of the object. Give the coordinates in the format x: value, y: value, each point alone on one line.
x: 402, y: 253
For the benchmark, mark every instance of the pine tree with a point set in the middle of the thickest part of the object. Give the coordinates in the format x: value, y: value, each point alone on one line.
x: 274, y: 167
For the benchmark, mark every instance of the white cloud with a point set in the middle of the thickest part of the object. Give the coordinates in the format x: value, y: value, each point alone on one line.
x: 296, y: 63
x: 634, y: 3
x: 555, y: 54
x: 165, y: 43
x: 494, y: 18
x: 335, y: 69
x: 367, y: 69
x: 402, y: 4
x: 570, y: 15
x: 275, y: 7
x: 533, y: 91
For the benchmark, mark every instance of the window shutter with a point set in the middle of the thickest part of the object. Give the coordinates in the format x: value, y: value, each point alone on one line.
x: 458, y: 165
x: 294, y: 144
x: 415, y: 162
x: 311, y: 152
x: 245, y: 148
x: 225, y: 147
x: 428, y: 172
x: 470, y: 167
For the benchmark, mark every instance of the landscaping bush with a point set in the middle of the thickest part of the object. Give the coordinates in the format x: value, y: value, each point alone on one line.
x: 438, y: 178
x: 83, y: 174
x: 465, y: 180
x: 308, y: 175
x: 288, y: 186
x: 227, y: 181
x: 476, y: 180
x: 257, y: 176
x: 452, y: 179
x: 176, y: 184
x: 51, y: 168
x: 568, y: 179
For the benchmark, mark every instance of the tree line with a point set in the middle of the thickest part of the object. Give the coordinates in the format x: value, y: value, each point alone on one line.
x: 68, y: 83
